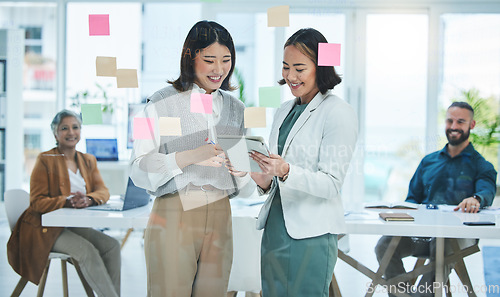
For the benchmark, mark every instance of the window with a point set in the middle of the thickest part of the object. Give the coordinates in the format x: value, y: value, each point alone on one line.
x: 396, y: 92
x: 39, y: 75
x: 470, y: 71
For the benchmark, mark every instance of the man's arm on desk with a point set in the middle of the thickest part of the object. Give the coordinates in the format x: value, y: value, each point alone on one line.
x: 485, y: 186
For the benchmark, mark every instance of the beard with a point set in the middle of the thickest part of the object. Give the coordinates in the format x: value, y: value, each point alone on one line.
x: 456, y: 141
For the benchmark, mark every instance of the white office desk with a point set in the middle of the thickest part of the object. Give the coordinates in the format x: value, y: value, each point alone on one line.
x: 428, y: 223
x: 245, y: 271
x: 136, y: 218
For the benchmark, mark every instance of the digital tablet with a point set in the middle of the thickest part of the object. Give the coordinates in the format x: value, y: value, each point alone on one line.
x: 237, y: 147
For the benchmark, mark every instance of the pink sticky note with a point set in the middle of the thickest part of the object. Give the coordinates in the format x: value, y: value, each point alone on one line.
x: 201, y: 103
x: 328, y: 54
x: 143, y: 128
x: 98, y: 24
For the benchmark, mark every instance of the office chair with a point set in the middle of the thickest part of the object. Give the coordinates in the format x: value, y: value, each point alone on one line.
x: 16, y: 202
x: 460, y: 268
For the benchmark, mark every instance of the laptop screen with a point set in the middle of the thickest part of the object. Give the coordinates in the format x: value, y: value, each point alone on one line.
x: 103, y: 149
x: 135, y: 196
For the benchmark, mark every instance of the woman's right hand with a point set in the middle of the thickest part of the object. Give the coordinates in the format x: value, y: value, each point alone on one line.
x: 205, y: 155
x: 262, y: 180
x: 209, y: 155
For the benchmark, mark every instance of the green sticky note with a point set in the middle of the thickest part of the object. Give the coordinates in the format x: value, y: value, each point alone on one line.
x: 91, y: 114
x: 269, y: 97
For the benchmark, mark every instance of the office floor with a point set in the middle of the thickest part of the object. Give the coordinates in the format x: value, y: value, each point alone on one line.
x: 351, y: 282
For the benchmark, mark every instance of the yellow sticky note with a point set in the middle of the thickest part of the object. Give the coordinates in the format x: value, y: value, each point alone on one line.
x: 255, y: 117
x: 170, y: 126
x: 105, y: 66
x: 126, y: 78
x: 278, y: 16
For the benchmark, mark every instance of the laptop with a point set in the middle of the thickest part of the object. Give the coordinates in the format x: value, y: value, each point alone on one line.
x: 134, y: 197
x: 103, y: 149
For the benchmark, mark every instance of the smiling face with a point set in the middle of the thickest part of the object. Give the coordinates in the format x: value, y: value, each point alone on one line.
x: 68, y: 133
x: 459, y: 122
x: 211, y: 67
x: 299, y: 72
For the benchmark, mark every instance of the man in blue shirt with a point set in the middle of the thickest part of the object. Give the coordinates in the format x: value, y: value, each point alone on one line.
x: 456, y: 175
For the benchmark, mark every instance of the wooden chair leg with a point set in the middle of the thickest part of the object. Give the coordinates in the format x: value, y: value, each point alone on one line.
x: 20, y: 287
x: 64, y: 273
x: 86, y: 286
x: 334, y: 290
x: 129, y: 231
x: 43, y: 280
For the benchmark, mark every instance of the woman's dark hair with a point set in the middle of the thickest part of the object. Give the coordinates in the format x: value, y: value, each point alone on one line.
x: 306, y: 41
x: 202, y: 35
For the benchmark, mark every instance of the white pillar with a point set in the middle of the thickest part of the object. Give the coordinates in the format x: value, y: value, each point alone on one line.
x: 14, y: 132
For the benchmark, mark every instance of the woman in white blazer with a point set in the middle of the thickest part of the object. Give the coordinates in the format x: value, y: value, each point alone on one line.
x: 312, y: 141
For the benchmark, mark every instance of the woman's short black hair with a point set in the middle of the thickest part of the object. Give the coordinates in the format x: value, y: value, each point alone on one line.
x: 202, y: 35
x: 306, y: 41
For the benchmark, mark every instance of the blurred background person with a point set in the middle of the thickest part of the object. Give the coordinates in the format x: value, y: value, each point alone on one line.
x: 65, y: 177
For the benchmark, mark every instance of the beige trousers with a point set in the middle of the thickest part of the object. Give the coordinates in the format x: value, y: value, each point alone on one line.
x: 98, y: 255
x: 189, y: 253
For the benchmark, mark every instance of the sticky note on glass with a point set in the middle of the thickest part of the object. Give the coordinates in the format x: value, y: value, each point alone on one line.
x: 255, y: 117
x: 143, y: 128
x: 328, y: 54
x: 126, y: 78
x: 278, y: 16
x: 201, y: 103
x: 269, y: 97
x: 91, y: 114
x: 105, y: 66
x: 99, y: 24
x: 170, y: 126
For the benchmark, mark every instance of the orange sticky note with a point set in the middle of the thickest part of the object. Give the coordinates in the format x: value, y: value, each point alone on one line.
x: 126, y: 78
x: 170, y: 126
x: 255, y: 117
x: 328, y: 54
x: 278, y: 16
x: 99, y: 24
x: 143, y: 128
x: 201, y: 103
x: 105, y: 66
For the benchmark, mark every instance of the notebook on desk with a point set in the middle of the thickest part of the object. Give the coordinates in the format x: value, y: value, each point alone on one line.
x: 134, y: 197
x: 395, y: 216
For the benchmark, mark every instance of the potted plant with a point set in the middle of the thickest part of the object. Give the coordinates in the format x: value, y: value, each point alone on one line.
x: 100, y: 96
x: 486, y: 134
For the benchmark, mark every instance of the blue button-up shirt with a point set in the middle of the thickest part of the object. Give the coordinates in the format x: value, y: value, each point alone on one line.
x: 441, y: 179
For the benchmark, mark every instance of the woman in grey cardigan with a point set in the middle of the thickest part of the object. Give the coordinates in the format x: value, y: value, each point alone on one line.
x: 188, y: 241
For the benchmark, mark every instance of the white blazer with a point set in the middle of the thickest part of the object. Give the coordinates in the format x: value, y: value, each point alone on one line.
x: 318, y: 149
